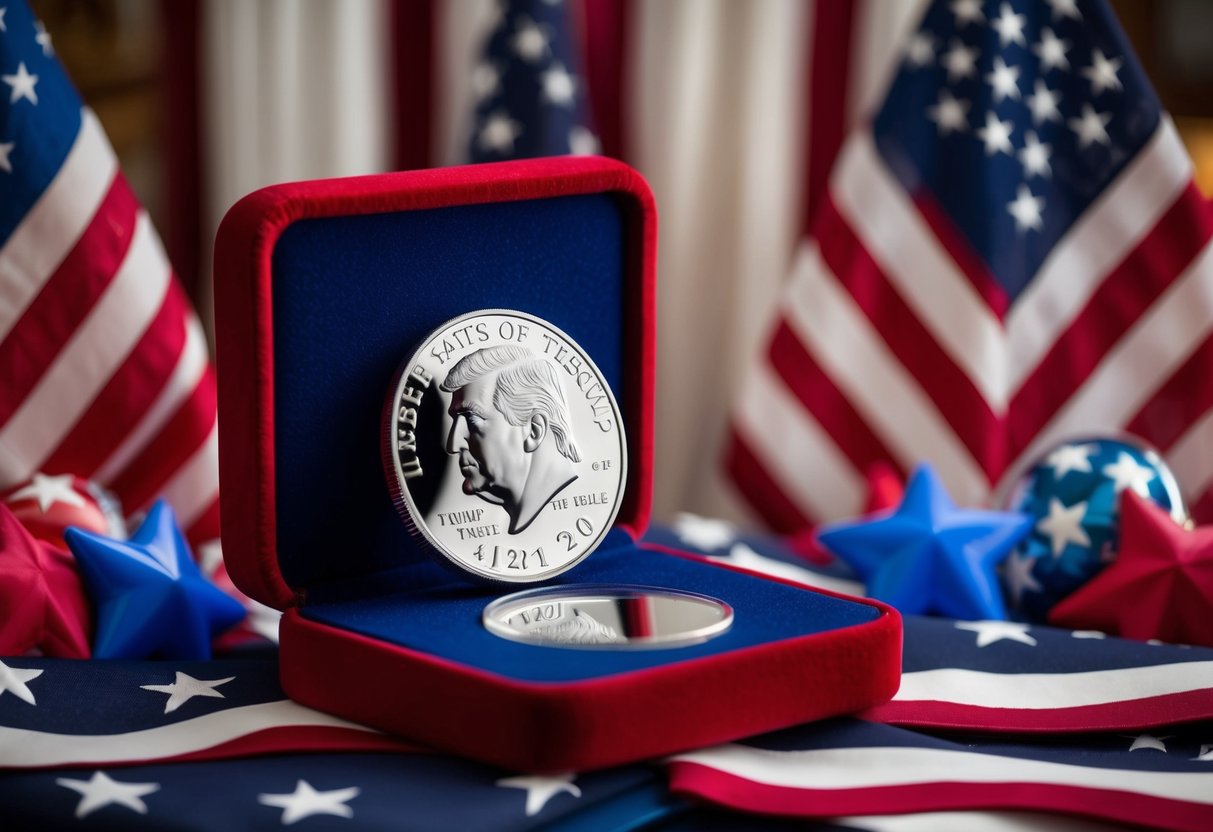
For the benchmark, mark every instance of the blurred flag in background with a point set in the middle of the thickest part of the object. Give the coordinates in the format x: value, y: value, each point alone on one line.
x: 530, y: 98
x: 103, y: 366
x: 1012, y: 252
x: 735, y: 113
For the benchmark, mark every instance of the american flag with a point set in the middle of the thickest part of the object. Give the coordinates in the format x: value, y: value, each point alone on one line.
x: 851, y: 767
x: 104, y: 371
x: 992, y: 718
x: 530, y: 96
x: 1066, y: 722
x: 1010, y: 252
x: 133, y: 745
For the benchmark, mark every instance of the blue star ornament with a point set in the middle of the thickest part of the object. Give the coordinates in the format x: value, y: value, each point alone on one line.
x: 927, y: 555
x: 150, y: 598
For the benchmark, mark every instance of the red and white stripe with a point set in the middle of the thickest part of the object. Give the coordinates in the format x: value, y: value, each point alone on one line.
x: 829, y: 782
x: 1098, y: 700
x: 275, y: 727
x: 103, y: 366
x: 895, y: 343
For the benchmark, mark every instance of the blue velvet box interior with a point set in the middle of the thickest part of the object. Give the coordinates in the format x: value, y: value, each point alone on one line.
x: 352, y: 298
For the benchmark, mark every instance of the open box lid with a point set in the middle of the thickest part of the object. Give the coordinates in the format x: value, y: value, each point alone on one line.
x: 322, y: 289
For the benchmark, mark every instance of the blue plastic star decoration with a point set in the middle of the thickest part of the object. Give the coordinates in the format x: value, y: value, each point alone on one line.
x: 149, y: 596
x: 927, y: 555
x: 1073, y: 495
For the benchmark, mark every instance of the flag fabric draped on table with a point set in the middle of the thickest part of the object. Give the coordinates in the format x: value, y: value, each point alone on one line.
x: 104, y: 370
x: 1011, y: 252
x: 1055, y: 721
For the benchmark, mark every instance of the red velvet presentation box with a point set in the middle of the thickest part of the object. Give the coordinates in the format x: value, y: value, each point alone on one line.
x: 321, y: 290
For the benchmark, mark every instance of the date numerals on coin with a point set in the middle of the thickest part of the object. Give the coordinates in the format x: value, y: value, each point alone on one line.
x: 583, y: 527
x: 510, y: 558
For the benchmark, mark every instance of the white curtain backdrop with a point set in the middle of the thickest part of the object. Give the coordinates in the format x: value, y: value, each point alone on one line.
x: 716, y: 98
x: 293, y: 89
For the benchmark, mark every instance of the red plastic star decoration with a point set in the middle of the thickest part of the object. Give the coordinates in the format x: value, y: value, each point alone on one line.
x: 43, y: 606
x: 1160, y: 585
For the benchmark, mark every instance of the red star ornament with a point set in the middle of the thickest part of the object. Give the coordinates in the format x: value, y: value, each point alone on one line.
x: 1160, y: 585
x: 43, y: 606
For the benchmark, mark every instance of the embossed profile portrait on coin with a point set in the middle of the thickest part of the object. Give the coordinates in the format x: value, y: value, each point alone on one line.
x: 511, y: 430
x: 500, y: 407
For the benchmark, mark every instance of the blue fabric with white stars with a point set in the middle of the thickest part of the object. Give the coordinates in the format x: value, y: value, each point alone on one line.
x: 974, y: 178
x: 38, y: 125
x: 1076, y: 483
x: 530, y: 99
x: 928, y: 556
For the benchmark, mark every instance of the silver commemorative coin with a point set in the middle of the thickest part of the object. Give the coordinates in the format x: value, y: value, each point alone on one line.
x: 503, y: 446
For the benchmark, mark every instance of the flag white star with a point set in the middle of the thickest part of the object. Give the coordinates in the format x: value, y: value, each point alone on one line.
x: 1026, y: 209
x: 704, y: 533
x: 1091, y: 127
x: 185, y: 687
x: 920, y: 51
x: 1065, y: 8
x: 559, y: 86
x: 1205, y: 755
x: 1043, y: 103
x: 306, y: 801
x: 13, y: 680
x: 1004, y: 80
x: 1035, y: 156
x: 48, y: 491
x: 1009, y: 26
x: 3, y: 25
x: 539, y: 790
x: 1150, y: 742
x: 1052, y: 51
x: 100, y: 791
x: 486, y: 80
x: 499, y: 133
x: 1126, y: 473
x: 1089, y: 634
x: 990, y: 632
x: 43, y: 39
x: 960, y: 61
x: 949, y: 113
x: 966, y: 12
x: 1019, y: 577
x: 530, y: 42
x: 996, y: 135
x: 23, y: 85
x: 1069, y: 458
x: 1102, y: 73
x: 1064, y: 525
x: 5, y: 149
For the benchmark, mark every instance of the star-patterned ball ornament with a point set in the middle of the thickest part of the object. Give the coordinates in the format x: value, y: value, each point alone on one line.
x: 47, y: 504
x: 1073, y: 494
x: 150, y: 598
x: 1160, y: 585
x: 927, y: 555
